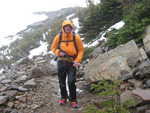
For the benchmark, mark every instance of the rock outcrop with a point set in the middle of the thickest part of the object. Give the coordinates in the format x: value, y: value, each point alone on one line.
x: 110, y: 64
x: 146, y: 41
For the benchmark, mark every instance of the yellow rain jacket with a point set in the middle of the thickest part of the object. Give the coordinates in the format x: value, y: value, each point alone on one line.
x: 68, y: 47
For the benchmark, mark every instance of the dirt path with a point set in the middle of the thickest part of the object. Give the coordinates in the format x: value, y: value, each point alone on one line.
x: 44, y: 98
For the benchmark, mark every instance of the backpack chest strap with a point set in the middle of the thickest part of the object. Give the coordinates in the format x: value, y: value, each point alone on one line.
x: 74, y: 41
x: 66, y: 41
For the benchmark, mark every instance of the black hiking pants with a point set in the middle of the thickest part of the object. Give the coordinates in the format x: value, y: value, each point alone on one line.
x: 67, y: 69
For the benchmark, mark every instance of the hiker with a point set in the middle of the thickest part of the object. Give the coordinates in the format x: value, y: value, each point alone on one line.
x: 69, y: 50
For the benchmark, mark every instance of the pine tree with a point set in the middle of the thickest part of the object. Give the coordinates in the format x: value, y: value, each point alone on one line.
x: 99, y: 17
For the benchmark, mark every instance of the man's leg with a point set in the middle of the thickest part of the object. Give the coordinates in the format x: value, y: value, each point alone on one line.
x: 62, y: 79
x: 71, y: 83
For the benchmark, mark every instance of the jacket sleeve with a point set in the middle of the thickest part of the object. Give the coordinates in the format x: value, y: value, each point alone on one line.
x: 80, y: 49
x: 54, y: 46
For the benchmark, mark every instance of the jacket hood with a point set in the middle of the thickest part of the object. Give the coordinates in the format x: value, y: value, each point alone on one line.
x: 67, y: 22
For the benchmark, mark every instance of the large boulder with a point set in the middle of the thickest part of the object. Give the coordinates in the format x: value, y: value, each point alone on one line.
x: 43, y: 70
x: 143, y: 54
x: 146, y: 41
x: 110, y: 64
x: 96, y: 52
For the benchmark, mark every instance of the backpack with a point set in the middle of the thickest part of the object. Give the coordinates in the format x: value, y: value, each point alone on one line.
x: 74, y: 40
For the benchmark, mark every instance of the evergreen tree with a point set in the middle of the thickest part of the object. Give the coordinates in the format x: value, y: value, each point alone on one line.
x: 99, y: 17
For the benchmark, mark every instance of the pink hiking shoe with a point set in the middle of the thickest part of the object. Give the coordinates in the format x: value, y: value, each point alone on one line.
x: 74, y: 105
x: 62, y: 101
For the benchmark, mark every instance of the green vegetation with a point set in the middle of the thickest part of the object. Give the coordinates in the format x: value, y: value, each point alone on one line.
x: 88, y: 51
x: 137, y: 19
x: 98, y: 18
x: 112, y: 104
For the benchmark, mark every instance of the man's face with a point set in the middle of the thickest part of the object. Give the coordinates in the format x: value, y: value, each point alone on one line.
x: 67, y: 28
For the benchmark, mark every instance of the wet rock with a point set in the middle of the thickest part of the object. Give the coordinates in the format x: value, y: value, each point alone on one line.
x: 3, y: 99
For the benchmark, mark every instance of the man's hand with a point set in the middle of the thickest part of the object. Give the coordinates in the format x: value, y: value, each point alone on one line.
x: 76, y: 64
x: 62, y: 54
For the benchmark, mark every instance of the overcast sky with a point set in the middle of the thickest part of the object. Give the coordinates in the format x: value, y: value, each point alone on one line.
x: 15, y: 14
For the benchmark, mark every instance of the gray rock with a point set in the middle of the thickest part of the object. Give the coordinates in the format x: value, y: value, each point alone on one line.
x: 22, y: 89
x: 143, y: 55
x: 10, y: 94
x: 6, y: 81
x: 21, y: 78
x: 147, y: 84
x: 21, y: 98
x: 147, y: 111
x: 125, y: 75
x: 110, y: 64
x: 3, y: 88
x: 43, y: 70
x: 128, y: 96
x: 142, y: 71
x: 135, y: 83
x: 142, y: 109
x: 3, y: 99
x: 143, y: 94
x: 30, y: 83
x: 111, y: 69
x: 10, y: 104
x: 24, y: 60
x: 12, y: 87
x: 2, y: 77
x: 146, y: 41
x: 96, y: 52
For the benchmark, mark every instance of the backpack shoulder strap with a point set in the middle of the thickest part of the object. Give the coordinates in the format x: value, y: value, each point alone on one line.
x: 60, y: 38
x: 75, y: 43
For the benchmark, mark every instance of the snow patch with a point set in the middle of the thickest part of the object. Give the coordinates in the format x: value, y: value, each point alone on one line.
x: 71, y: 15
x: 76, y: 24
x: 117, y: 25
x: 41, y: 50
x: 6, y: 41
x: 101, y: 36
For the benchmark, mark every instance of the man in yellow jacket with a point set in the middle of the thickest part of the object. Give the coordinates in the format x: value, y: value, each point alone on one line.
x: 69, y: 48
